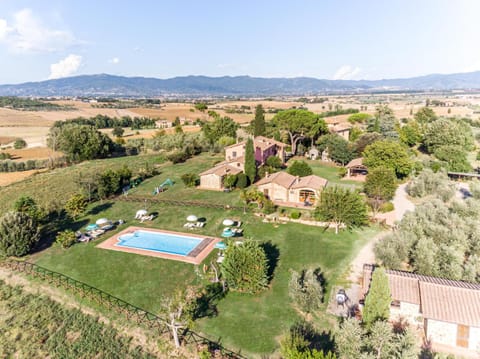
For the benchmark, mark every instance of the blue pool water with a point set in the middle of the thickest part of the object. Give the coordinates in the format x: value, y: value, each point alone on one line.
x: 159, y: 242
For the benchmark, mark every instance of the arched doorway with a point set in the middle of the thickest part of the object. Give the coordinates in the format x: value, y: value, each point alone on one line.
x: 307, y: 196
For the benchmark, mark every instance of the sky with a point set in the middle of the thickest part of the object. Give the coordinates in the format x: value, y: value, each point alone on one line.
x: 331, y: 39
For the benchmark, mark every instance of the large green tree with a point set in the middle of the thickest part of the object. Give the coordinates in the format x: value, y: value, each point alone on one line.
x: 380, y: 186
x: 339, y: 149
x: 220, y: 126
x: 445, y: 132
x: 384, y: 122
x: 80, y: 142
x: 341, y: 206
x: 245, y: 267
x: 18, y: 234
x: 410, y: 134
x: 455, y: 158
x: 250, y: 164
x: 258, y: 123
x: 390, y: 154
x: 425, y: 115
x: 378, y: 300
x: 300, y: 124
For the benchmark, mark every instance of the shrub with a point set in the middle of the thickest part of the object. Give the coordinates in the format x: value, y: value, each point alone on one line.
x: 242, y: 181
x: 245, y: 267
x: 5, y: 156
x: 178, y: 157
x: 295, y: 215
x: 387, y: 207
x: 66, y: 238
x: 19, y: 143
x: 268, y: 207
x: 300, y: 168
x: 190, y: 179
x: 18, y: 234
x: 342, y: 172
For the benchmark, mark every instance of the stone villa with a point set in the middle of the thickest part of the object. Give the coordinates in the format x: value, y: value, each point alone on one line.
x: 448, y: 311
x: 235, y: 161
x: 287, y: 190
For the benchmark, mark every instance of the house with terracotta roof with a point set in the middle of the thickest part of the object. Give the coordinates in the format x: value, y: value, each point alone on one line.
x: 356, y: 168
x: 447, y: 310
x: 213, y: 178
x: 263, y: 147
x: 288, y: 190
x: 235, y: 161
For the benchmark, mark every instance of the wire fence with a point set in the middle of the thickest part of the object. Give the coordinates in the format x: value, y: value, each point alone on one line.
x: 130, y: 311
x: 133, y: 198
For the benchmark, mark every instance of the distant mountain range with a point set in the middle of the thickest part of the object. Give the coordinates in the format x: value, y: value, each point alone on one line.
x: 109, y: 85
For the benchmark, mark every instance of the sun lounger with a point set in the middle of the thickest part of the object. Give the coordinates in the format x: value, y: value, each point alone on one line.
x: 96, y: 233
x: 199, y: 224
x: 239, y: 223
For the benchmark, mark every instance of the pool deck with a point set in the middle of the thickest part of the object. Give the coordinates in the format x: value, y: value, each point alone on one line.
x: 196, y: 256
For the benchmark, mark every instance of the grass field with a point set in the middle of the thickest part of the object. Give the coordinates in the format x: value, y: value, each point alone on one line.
x: 251, y: 323
x: 58, y: 185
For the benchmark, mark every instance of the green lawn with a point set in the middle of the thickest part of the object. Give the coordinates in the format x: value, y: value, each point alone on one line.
x: 330, y: 173
x: 250, y: 323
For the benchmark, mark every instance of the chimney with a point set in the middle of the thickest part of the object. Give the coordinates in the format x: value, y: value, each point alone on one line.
x: 297, y: 179
x: 266, y: 174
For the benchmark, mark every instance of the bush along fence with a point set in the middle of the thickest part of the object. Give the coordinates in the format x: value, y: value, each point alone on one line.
x: 130, y: 311
x: 171, y: 202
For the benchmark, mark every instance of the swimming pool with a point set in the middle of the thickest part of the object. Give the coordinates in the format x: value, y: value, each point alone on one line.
x: 159, y: 242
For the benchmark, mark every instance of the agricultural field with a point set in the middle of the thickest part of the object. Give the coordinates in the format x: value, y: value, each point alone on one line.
x: 34, y: 326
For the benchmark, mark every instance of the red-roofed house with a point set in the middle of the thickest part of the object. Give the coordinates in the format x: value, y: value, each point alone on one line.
x: 287, y: 190
x: 448, y: 310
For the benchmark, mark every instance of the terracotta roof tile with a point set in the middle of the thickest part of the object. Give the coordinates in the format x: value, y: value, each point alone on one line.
x: 439, y: 298
x: 355, y: 162
x: 221, y: 170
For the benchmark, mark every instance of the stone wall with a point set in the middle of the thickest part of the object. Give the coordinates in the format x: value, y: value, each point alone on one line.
x: 211, y: 181
x: 442, y: 332
x: 407, y: 311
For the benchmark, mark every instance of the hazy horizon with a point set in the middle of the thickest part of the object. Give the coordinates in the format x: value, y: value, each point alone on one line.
x: 345, y: 39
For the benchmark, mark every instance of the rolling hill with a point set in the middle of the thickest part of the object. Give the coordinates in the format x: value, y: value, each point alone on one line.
x: 110, y: 85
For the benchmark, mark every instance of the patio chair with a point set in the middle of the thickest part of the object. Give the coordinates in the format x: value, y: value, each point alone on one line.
x: 200, y: 224
x: 239, y: 223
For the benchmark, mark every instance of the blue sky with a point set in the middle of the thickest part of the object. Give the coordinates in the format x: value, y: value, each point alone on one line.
x: 347, y: 39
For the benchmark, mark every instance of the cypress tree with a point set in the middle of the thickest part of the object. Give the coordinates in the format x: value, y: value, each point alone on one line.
x: 250, y: 166
x: 378, y: 300
x: 259, y: 121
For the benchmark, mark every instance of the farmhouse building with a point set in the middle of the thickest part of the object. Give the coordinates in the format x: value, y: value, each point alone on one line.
x: 263, y: 147
x: 287, y: 190
x: 235, y: 160
x: 448, y: 310
x: 213, y: 177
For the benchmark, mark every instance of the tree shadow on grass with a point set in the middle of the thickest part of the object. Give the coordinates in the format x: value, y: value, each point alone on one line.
x: 53, y: 224
x: 100, y: 208
x: 272, y: 252
x: 206, y: 305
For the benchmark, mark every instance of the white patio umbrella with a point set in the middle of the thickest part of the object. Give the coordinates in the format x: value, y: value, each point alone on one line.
x: 102, y: 221
x: 140, y: 213
x: 227, y: 222
x: 192, y: 218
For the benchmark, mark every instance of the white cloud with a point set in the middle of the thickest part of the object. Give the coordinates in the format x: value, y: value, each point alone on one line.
x: 66, y: 67
x: 27, y: 33
x: 346, y: 72
x: 114, y: 60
